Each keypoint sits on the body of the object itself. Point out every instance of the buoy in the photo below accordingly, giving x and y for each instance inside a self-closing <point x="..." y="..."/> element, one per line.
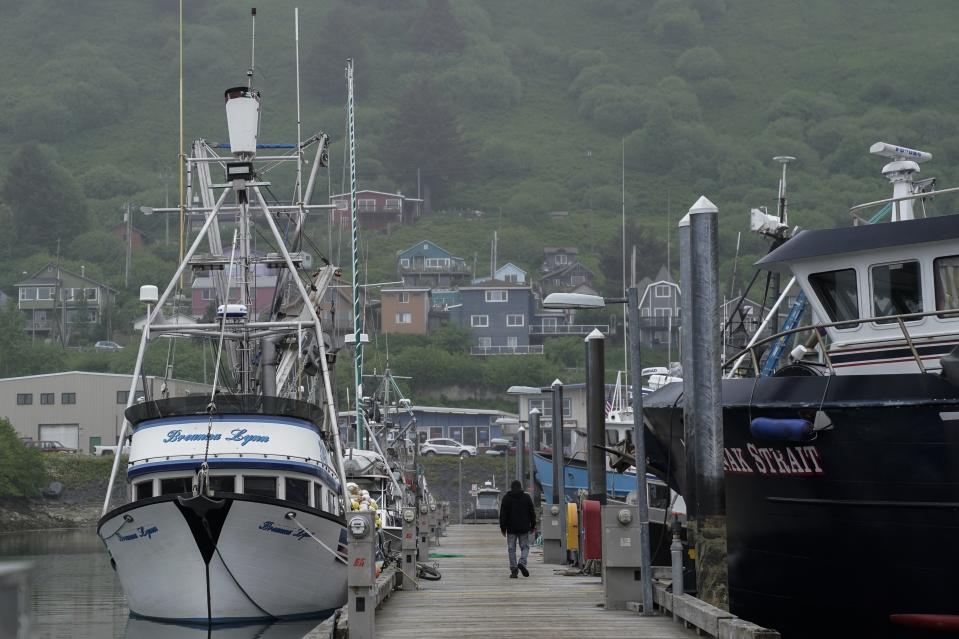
<point x="792" y="430"/>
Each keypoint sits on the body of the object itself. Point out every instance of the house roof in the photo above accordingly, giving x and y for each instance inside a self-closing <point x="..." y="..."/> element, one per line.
<point x="404" y="290"/>
<point x="92" y="374"/>
<point x="650" y="286"/>
<point x="565" y="268"/>
<point x="560" y="249"/>
<point x="508" y="265"/>
<point x="123" y="225"/>
<point x="35" y="279"/>
<point x="663" y="274"/>
<point x="431" y="243"/>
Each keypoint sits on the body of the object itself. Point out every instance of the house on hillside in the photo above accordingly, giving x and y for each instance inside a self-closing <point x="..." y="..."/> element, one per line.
<point x="498" y="315"/>
<point x="137" y="237"/>
<point x="572" y="278"/>
<point x="55" y="299"/>
<point x="259" y="300"/>
<point x="508" y="272"/>
<point x="405" y="310"/>
<point x="426" y="264"/>
<point x="659" y="309"/>
<point x="555" y="257"/>
<point x="376" y="209"/>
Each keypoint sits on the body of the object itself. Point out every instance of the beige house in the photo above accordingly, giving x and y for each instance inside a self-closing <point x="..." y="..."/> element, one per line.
<point x="79" y="409"/>
<point x="405" y="310"/>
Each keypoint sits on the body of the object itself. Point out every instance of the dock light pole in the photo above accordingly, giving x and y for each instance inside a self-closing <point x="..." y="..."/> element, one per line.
<point x="533" y="447"/>
<point x="582" y="301"/>
<point x="521" y="454"/>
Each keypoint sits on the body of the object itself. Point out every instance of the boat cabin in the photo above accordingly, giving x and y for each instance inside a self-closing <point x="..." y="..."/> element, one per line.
<point x="271" y="450"/>
<point x="884" y="290"/>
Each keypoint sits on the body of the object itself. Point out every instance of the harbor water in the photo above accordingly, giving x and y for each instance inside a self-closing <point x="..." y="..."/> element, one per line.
<point x="76" y="594"/>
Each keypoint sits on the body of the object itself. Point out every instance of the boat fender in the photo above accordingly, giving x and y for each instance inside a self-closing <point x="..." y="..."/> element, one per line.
<point x="792" y="430"/>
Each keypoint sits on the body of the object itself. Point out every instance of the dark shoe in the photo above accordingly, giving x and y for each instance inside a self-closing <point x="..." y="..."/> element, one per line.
<point x="523" y="570"/>
<point x="512" y="573"/>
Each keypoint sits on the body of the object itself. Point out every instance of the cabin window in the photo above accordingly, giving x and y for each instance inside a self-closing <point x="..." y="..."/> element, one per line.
<point x="946" y="271"/>
<point x="143" y="490"/>
<point x="262" y="486"/>
<point x="298" y="491"/>
<point x="658" y="496"/>
<point x="839" y="294"/>
<point x="176" y="485"/>
<point x="223" y="483"/>
<point x="896" y="289"/>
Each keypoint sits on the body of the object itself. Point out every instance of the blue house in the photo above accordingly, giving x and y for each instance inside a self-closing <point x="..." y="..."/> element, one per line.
<point x="498" y="314"/>
<point x="428" y="265"/>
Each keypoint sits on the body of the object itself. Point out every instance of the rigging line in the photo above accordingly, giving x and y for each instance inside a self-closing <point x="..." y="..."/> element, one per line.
<point x="238" y="585"/>
<point x="219" y="350"/>
<point x="314" y="538"/>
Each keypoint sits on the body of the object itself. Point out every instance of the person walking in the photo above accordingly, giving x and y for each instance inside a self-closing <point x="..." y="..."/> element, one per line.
<point x="517" y="521"/>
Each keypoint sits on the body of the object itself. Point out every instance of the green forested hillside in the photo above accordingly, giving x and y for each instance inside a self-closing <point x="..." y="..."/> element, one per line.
<point x="513" y="108"/>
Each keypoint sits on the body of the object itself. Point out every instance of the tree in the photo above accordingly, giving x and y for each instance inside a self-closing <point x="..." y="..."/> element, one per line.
<point x="426" y="136"/>
<point x="438" y="30"/>
<point x="343" y="37"/>
<point x="650" y="255"/>
<point x="21" y="468"/>
<point x="47" y="203"/>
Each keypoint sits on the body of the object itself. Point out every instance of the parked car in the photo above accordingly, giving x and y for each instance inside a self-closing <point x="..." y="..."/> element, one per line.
<point x="446" y="447"/>
<point x="499" y="446"/>
<point x="106" y="345"/>
<point x="49" y="446"/>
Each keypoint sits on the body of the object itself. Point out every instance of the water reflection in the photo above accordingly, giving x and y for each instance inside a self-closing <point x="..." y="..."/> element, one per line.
<point x="76" y="594"/>
<point x="143" y="629"/>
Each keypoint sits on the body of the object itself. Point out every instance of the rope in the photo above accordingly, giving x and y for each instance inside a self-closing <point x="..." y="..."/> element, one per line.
<point x="219" y="350"/>
<point x="292" y="517"/>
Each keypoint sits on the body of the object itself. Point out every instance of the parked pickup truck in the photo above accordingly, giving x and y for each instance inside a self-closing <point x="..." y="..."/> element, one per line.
<point x="109" y="451"/>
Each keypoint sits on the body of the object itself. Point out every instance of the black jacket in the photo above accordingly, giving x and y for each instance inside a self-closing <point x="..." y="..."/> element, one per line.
<point x="516" y="514"/>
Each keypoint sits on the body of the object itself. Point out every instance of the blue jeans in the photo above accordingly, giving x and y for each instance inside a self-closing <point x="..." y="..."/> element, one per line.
<point x="523" y="540"/>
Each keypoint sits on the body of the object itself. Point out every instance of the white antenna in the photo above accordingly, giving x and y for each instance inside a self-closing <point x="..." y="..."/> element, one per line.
<point x="299" y="135"/>
<point x="623" y="205"/>
<point x="784" y="160"/>
<point x="249" y="73"/>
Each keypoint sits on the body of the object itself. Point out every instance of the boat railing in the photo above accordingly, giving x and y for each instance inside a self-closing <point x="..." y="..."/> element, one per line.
<point x="755" y="350"/>
<point x="895" y="201"/>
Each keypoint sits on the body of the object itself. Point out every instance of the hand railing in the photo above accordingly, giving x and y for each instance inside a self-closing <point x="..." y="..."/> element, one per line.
<point x="818" y="331"/>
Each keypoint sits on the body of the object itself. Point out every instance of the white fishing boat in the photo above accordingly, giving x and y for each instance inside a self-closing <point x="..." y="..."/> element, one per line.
<point x="235" y="510"/>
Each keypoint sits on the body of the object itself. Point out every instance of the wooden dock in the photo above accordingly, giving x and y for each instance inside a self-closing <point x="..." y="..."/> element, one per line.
<point x="476" y="598"/>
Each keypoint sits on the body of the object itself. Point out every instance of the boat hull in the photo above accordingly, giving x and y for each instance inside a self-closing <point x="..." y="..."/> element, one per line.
<point x="618" y="485"/>
<point x="247" y="562"/>
<point x="832" y="536"/>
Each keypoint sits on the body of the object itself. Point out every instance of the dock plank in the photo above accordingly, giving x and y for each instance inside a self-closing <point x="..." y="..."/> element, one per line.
<point x="476" y="598"/>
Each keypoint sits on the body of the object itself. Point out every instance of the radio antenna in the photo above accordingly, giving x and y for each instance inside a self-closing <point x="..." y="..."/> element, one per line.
<point x="249" y="73"/>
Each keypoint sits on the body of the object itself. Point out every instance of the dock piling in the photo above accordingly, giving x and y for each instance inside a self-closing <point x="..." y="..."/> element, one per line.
<point x="596" y="416"/>
<point x="711" y="569"/>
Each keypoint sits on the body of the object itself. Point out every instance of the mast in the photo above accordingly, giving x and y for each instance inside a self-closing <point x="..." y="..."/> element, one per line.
<point x="354" y="245"/>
